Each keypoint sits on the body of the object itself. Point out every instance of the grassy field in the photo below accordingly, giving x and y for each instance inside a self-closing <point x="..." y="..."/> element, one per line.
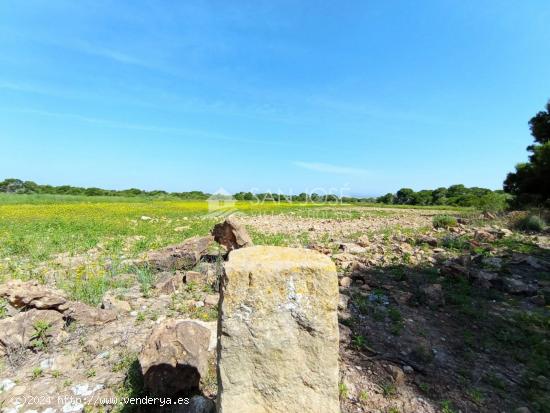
<point x="37" y="226"/>
<point x="40" y="233"/>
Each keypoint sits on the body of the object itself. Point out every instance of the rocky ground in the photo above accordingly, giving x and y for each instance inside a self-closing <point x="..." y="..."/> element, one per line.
<point x="431" y="320"/>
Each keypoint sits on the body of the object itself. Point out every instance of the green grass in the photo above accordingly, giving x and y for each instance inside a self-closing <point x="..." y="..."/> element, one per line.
<point x="531" y="223"/>
<point x="103" y="232"/>
<point x="343" y="390"/>
<point x="444" y="221"/>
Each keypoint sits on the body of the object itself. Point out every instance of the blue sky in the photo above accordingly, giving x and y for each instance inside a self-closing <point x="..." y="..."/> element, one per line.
<point x="363" y="97"/>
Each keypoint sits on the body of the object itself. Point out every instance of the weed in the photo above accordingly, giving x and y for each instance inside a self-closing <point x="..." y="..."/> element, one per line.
<point x="476" y="395"/>
<point x="454" y="242"/>
<point x="389" y="389"/>
<point x="36" y="373"/>
<point x="133" y="385"/>
<point x="447" y="407"/>
<point x="359" y="341"/>
<point x="39" y="338"/>
<point x="56" y="374"/>
<point x="146" y="279"/>
<point x="3" y="308"/>
<point x="363" y="396"/>
<point x="124" y="362"/>
<point x="424" y="387"/>
<point x="444" y="221"/>
<point x="90" y="373"/>
<point x="396" y="319"/>
<point x="495" y="381"/>
<point x="343" y="390"/>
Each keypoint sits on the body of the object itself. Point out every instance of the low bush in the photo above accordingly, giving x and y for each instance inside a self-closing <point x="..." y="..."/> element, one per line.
<point x="444" y="221"/>
<point x="531" y="223"/>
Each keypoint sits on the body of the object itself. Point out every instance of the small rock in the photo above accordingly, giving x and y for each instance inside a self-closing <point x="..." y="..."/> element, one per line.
<point x="110" y="302"/>
<point x="408" y="369"/>
<point x="345" y="333"/>
<point x="169" y="283"/>
<point x="85" y="389"/>
<point x="46" y="364"/>
<point x="89" y="316"/>
<point x="231" y="234"/>
<point x="351" y="248"/>
<point x="484" y="236"/>
<point x="196" y="277"/>
<point x="397" y="374"/>
<point x="6" y="385"/>
<point x="211" y="300"/>
<point x="182" y="256"/>
<point x="345" y="282"/>
<point x="516" y="286"/>
<point x="522" y="410"/>
<point x="426" y="239"/>
<point x="343" y="301"/>
<point x="200" y="404"/>
<point x="363" y="240"/>
<point x="432" y="295"/>
<point x="538" y="300"/>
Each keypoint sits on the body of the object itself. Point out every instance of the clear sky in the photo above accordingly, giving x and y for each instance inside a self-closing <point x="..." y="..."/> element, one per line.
<point x="365" y="96"/>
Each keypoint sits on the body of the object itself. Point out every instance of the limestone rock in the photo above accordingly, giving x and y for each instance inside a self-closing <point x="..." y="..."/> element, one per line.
<point x="345" y="282"/>
<point x="30" y="294"/>
<point x="20" y="332"/>
<point x="175" y="357"/>
<point x="484" y="236"/>
<point x="110" y="302"/>
<point x="211" y="300"/>
<point x="89" y="316"/>
<point x="517" y="286"/>
<point x="231" y="234"/>
<point x="278" y="344"/>
<point x="432" y="295"/>
<point x="196" y="277"/>
<point x="427" y="239"/>
<point x="169" y="283"/>
<point x="351" y="248"/>
<point x="182" y="256"/>
<point x="363" y="240"/>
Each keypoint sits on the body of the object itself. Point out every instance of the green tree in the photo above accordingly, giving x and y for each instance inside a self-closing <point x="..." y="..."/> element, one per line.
<point x="386" y="199"/>
<point x="404" y="196"/>
<point x="530" y="183"/>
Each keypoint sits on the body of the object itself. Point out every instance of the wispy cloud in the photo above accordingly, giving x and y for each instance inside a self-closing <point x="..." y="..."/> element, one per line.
<point x="331" y="169"/>
<point x="187" y="133"/>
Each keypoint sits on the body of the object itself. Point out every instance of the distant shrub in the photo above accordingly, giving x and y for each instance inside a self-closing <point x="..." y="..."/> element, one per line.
<point x="455" y="242"/>
<point x="444" y="221"/>
<point x="531" y="223"/>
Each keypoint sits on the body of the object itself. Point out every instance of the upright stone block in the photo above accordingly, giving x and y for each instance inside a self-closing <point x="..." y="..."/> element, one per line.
<point x="278" y="333"/>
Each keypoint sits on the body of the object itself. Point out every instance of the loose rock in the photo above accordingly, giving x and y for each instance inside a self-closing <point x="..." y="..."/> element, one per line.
<point x="175" y="357"/>
<point x="183" y="256"/>
<point x="231" y="234"/>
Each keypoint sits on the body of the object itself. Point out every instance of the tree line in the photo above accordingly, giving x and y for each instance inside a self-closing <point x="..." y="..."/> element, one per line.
<point x="18" y="186"/>
<point x="455" y="195"/>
